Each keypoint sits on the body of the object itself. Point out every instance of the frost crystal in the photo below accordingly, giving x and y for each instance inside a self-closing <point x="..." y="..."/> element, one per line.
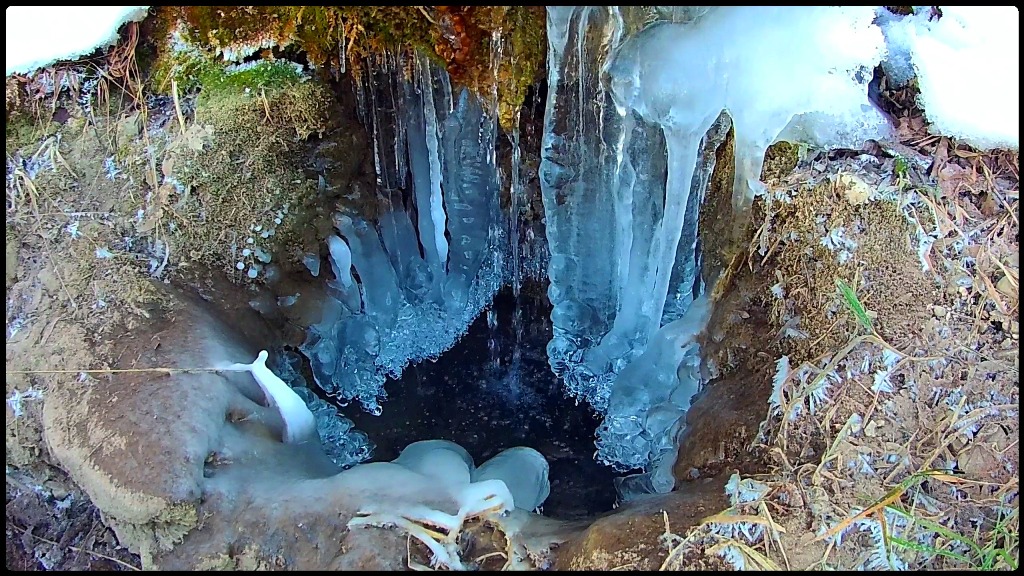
<point x="782" y="371"/>
<point x="16" y="397"/>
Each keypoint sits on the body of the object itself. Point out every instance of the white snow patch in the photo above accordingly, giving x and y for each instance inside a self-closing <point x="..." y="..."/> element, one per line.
<point x="967" y="65"/>
<point x="41" y="35"/>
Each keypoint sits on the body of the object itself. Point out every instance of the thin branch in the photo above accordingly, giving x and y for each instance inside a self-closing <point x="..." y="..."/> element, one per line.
<point x="77" y="549"/>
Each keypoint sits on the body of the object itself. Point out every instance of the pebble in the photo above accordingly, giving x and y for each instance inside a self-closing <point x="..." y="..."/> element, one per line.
<point x="939" y="311"/>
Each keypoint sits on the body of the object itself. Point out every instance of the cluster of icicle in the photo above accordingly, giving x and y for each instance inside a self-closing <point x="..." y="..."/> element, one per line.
<point x="409" y="281"/>
<point x="638" y="101"/>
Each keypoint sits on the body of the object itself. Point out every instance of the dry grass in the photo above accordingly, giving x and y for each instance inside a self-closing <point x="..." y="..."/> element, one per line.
<point x="892" y="432"/>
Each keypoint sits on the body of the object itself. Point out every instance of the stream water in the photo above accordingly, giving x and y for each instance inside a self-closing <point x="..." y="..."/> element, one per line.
<point x="493" y="390"/>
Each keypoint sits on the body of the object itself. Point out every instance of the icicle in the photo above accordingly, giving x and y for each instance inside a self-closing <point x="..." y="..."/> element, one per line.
<point x="342" y="49"/>
<point x="418" y="293"/>
<point x="380" y="283"/>
<point x="384" y="79"/>
<point x="436" y="198"/>
<point x="685" y="271"/>
<point x="493" y="338"/>
<point x="516" y="194"/>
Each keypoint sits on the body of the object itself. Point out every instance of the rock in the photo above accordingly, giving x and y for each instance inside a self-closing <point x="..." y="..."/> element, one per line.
<point x="140" y="446"/>
<point x="11" y="264"/>
<point x="939" y="311"/>
<point x="57" y="489"/>
<point x="855" y="189"/>
<point x="630" y="537"/>
<point x="129" y="129"/>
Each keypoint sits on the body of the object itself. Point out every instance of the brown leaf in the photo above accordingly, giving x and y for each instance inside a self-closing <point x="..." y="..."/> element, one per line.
<point x="989" y="206"/>
<point x="155" y="211"/>
<point x="167" y="167"/>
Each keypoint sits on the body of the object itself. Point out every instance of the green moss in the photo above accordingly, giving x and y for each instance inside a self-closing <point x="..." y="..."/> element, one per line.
<point x="185" y="67"/>
<point x="779" y="160"/>
<point x="21" y="130"/>
<point x="239" y="163"/>
<point x="527" y="37"/>
<point x="260" y="76"/>
<point x="458" y="38"/>
<point x="236" y="32"/>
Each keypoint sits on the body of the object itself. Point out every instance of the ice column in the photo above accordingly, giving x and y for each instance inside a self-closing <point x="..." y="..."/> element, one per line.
<point x="617" y="196"/>
<point x="634" y="115"/>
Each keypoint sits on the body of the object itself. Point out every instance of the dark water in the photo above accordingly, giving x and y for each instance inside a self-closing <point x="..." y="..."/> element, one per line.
<point x="482" y="396"/>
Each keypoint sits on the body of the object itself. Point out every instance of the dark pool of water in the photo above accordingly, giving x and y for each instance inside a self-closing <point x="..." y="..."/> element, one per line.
<point x="479" y="395"/>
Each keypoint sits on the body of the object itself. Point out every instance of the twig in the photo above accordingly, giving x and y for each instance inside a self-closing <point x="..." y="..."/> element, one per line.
<point x="119" y="370"/>
<point x="266" y="104"/>
<point x="56" y="272"/>
<point x="77" y="549"/>
<point x="177" y="104"/>
<point x="490" y="555"/>
<point x="426" y="15"/>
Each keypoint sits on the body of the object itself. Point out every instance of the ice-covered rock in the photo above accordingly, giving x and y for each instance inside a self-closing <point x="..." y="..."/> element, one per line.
<point x="652" y="394"/>
<point x="515" y="478"/>
<point x="443" y="460"/>
<point x="524" y="472"/>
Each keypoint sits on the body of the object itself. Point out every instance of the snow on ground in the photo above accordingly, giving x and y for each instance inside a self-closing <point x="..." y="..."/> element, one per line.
<point x="967" y="65"/>
<point x="40" y="35"/>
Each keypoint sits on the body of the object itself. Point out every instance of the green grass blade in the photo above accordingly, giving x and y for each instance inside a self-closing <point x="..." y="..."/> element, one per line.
<point x="853" y="303"/>
<point x="917" y="547"/>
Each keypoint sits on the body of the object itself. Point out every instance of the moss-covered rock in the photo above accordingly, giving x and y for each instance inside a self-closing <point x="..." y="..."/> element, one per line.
<point x="779" y="160"/>
<point x="496" y="51"/>
<point x="240" y="187"/>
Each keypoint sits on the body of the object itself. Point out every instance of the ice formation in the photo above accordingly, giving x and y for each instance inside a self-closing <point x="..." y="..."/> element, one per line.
<point x="524" y="472"/>
<point x="647" y="405"/>
<point x="40" y="35"/>
<point x="299" y="423"/>
<point x="417" y="292"/>
<point x="514" y="478"/>
<point x="442" y="460"/>
<point x="345" y="445"/>
<point x="634" y="114"/>
<point x="967" y="65"/>
<point x="439" y="531"/>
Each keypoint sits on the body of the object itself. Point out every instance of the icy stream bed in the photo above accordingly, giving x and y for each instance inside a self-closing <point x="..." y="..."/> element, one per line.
<point x="637" y="102"/>
<point x="479" y="395"/>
